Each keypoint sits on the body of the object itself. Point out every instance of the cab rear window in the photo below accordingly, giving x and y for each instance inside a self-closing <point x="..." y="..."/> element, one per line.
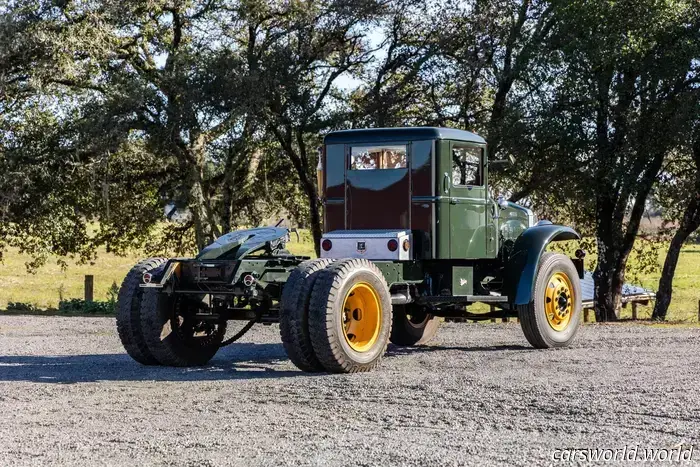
<point x="378" y="157"/>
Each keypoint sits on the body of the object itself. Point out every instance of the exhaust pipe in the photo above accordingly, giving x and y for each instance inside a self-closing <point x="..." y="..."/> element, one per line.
<point x="401" y="298"/>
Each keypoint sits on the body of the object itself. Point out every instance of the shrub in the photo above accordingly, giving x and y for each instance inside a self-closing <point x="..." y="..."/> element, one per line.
<point x="77" y="305"/>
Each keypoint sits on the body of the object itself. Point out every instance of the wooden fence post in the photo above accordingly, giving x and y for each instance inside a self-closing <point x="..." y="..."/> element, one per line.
<point x="89" y="288"/>
<point x="634" y="311"/>
<point x="585" y="314"/>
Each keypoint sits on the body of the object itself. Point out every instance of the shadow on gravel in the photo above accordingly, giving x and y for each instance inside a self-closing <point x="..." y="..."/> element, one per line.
<point x="398" y="351"/>
<point x="239" y="361"/>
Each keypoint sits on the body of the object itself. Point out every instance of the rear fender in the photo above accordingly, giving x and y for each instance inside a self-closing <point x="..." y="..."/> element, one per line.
<point x="521" y="268"/>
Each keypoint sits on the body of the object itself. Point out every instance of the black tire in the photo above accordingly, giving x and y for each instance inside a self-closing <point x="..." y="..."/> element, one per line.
<point x="533" y="317"/>
<point x="294" y="314"/>
<point x="412" y="326"/>
<point x="169" y="331"/>
<point x="129" y="312"/>
<point x="326" y="316"/>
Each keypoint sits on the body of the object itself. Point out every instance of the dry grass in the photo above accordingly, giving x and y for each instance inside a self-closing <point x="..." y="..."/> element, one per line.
<point x="686" y="287"/>
<point x="50" y="283"/>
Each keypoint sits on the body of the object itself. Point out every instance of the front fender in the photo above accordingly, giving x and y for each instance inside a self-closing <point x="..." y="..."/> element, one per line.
<point x="521" y="268"/>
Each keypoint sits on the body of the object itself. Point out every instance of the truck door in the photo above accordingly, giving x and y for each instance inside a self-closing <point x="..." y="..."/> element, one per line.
<point x="468" y="201"/>
<point x="377" y="187"/>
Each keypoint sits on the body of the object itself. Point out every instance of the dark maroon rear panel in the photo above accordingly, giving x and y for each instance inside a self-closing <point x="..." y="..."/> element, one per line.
<point x="335" y="171"/>
<point x="422" y="196"/>
<point x="422" y="174"/>
<point x="378" y="199"/>
<point x="335" y="217"/>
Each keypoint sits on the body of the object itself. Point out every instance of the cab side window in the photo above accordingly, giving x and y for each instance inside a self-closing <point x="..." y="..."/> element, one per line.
<point x="466" y="166"/>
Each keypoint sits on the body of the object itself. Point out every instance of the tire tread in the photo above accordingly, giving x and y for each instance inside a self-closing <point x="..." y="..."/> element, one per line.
<point x="169" y="351"/>
<point x="129" y="309"/>
<point x="324" y="337"/>
<point x="528" y="314"/>
<point x="294" y="315"/>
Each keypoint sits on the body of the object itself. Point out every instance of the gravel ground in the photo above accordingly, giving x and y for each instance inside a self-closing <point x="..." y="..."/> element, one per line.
<point x="477" y="396"/>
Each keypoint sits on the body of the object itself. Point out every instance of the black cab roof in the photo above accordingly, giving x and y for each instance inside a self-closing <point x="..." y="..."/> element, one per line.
<point x="371" y="135"/>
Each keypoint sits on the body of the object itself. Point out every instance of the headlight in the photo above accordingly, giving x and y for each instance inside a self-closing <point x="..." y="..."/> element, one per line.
<point x="531" y="217"/>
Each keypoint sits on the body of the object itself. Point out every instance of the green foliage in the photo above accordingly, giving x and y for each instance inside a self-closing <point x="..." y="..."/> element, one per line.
<point x="112" y="111"/>
<point x="19" y="307"/>
<point x="80" y="306"/>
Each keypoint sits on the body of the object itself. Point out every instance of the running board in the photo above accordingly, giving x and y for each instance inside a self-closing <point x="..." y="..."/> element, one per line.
<point x="464" y="299"/>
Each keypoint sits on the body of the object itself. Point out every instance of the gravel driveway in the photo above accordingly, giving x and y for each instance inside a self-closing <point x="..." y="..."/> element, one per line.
<point x="477" y="396"/>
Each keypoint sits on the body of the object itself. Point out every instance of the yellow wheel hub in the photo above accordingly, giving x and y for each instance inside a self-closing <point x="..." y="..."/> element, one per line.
<point x="559" y="301"/>
<point x="361" y="317"/>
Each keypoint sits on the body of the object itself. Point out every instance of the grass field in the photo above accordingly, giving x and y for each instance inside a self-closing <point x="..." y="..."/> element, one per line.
<point x="50" y="284"/>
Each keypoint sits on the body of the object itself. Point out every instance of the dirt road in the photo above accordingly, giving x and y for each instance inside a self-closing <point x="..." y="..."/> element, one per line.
<point x="478" y="396"/>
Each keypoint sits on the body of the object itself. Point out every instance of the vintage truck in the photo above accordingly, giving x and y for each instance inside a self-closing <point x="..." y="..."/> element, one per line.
<point x="411" y="235"/>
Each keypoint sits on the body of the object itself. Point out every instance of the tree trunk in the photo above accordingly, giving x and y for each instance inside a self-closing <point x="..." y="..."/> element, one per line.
<point x="608" y="287"/>
<point x="237" y="191"/>
<point x="689" y="224"/>
<point x="205" y="226"/>
<point x="606" y="297"/>
<point x="300" y="162"/>
<point x="614" y="247"/>
<point x="314" y="210"/>
<point x="663" y="295"/>
<point x="227" y="206"/>
<point x="204" y="230"/>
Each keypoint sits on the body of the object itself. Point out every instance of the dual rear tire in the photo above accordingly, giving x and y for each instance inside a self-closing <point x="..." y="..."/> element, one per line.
<point x="156" y="329"/>
<point x="337" y="317"/>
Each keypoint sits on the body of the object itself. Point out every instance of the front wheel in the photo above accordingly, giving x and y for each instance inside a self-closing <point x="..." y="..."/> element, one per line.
<point x="553" y="316"/>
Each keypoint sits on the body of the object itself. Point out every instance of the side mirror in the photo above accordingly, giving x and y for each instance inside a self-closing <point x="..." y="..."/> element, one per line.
<point x="503" y="162"/>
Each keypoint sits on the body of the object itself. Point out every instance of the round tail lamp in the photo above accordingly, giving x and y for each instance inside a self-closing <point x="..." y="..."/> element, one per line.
<point x="248" y="280"/>
<point x="392" y="245"/>
<point x="326" y="245"/>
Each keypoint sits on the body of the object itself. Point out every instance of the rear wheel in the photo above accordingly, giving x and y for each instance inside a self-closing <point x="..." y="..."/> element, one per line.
<point x="294" y="314"/>
<point x="174" y="335"/>
<point x="412" y="325"/>
<point x="553" y="317"/>
<point x="129" y="312"/>
<point x="350" y="316"/>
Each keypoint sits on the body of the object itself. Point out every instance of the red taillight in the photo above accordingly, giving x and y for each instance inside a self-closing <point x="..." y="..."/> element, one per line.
<point x="147" y="277"/>
<point x="248" y="280"/>
<point x="392" y="245"/>
<point x="326" y="245"/>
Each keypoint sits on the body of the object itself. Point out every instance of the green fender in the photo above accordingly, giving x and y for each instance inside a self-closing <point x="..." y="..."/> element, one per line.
<point x="521" y="268"/>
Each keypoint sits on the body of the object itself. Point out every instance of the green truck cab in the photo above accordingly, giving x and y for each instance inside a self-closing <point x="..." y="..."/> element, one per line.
<point x="434" y="183"/>
<point x="412" y="234"/>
